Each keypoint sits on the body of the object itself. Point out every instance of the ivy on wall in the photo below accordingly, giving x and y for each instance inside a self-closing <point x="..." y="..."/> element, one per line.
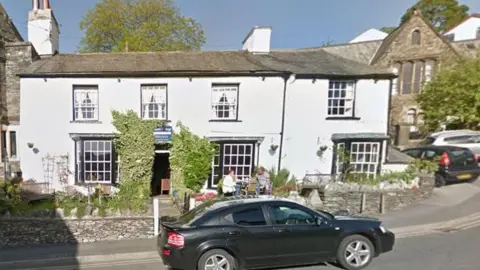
<point x="135" y="144"/>
<point x="190" y="158"/>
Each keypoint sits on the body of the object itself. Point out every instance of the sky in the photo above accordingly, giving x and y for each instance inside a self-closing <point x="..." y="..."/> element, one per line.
<point x="295" y="23"/>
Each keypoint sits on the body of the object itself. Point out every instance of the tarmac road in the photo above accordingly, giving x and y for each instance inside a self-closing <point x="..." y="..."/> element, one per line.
<point x="455" y="250"/>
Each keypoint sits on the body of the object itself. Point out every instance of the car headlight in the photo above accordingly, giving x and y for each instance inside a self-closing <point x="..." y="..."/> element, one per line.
<point x="382" y="229"/>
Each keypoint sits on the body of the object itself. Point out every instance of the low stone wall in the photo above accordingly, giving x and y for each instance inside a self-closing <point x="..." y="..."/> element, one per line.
<point x="369" y="201"/>
<point x="31" y="231"/>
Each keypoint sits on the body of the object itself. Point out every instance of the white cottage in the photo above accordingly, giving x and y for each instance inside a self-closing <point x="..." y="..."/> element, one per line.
<point x="274" y="108"/>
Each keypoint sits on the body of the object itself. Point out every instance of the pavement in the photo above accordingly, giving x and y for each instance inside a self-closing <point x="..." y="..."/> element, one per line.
<point x="451" y="211"/>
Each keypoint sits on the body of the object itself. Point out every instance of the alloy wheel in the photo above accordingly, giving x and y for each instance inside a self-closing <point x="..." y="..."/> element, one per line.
<point x="217" y="262"/>
<point x="357" y="253"/>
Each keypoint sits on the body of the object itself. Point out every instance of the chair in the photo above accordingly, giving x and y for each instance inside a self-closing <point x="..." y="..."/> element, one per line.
<point x="165" y="186"/>
<point x="251" y="189"/>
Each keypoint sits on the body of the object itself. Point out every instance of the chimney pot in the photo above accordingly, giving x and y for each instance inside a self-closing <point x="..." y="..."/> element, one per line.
<point x="35" y="4"/>
<point x="46" y="4"/>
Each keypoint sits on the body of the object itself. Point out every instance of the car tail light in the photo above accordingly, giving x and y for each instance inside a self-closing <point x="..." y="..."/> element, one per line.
<point x="175" y="239"/>
<point x="476" y="157"/>
<point x="166" y="252"/>
<point x="444" y="159"/>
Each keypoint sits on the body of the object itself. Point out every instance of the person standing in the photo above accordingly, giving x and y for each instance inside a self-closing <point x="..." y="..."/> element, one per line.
<point x="228" y="184"/>
<point x="263" y="179"/>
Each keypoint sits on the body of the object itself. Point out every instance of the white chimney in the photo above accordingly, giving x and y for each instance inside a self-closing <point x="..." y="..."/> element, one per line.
<point x="258" y="40"/>
<point x="43" y="29"/>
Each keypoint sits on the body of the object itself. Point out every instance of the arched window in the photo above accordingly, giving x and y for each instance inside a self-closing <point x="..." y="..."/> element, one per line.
<point x="407" y="73"/>
<point x="410" y="117"/>
<point x="416" y="37"/>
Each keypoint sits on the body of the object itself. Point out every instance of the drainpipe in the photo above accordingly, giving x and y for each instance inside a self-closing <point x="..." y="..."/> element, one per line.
<point x="390" y="88"/>
<point x="286" y="77"/>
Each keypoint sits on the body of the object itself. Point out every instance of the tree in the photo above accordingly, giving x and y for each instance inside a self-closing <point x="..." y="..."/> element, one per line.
<point x="139" y="25"/>
<point x="453" y="96"/>
<point x="442" y="14"/>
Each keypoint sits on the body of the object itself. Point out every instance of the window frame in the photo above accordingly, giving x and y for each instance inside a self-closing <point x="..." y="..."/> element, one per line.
<point x="213" y="105"/>
<point x="12" y="145"/>
<point x="416" y="40"/>
<point x="348" y="145"/>
<point x="345" y="99"/>
<point x="80" y="162"/>
<point x="96" y="107"/>
<point x="142" y="104"/>
<point x="222" y="167"/>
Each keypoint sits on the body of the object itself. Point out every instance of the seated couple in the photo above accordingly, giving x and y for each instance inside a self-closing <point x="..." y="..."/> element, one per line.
<point x="230" y="185"/>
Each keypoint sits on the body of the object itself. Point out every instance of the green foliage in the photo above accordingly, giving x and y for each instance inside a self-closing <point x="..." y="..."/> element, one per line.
<point x="139" y="25"/>
<point x="282" y="178"/>
<point x="135" y="145"/>
<point x="442" y="14"/>
<point x="453" y="96"/>
<point x="388" y="29"/>
<point x="191" y="158"/>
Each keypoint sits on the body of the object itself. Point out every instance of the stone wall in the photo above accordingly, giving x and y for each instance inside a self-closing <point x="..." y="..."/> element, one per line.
<point x="369" y="201"/>
<point x="34" y="231"/>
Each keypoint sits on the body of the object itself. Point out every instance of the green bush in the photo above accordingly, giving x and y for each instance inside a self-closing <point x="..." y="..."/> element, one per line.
<point x="191" y="157"/>
<point x="282" y="178"/>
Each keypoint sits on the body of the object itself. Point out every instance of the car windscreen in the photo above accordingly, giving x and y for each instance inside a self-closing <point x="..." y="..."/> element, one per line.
<point x="427" y="141"/>
<point x="461" y="156"/>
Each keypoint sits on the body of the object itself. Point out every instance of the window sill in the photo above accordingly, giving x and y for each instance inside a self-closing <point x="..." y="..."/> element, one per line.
<point x="343" y="118"/>
<point x="166" y="121"/>
<point x="85" y="122"/>
<point x="225" y="120"/>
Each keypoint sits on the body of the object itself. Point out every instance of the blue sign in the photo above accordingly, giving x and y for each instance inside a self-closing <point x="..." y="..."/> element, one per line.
<point x="163" y="134"/>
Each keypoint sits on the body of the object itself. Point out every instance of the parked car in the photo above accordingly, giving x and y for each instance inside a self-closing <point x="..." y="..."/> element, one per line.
<point x="452" y="137"/>
<point x="251" y="232"/>
<point x="455" y="163"/>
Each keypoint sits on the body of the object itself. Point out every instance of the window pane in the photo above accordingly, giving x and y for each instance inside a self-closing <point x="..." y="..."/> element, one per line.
<point x="154" y="101"/>
<point x="407" y="72"/>
<point x="416" y="37"/>
<point x="13" y="144"/>
<point x="288" y="215"/>
<point x="340" y="98"/>
<point x="97" y="161"/>
<point x="418" y="77"/>
<point x="85" y="103"/>
<point x="224" y="102"/>
<point x="249" y="217"/>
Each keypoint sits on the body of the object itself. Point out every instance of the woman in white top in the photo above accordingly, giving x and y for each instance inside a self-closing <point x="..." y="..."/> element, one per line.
<point x="228" y="184"/>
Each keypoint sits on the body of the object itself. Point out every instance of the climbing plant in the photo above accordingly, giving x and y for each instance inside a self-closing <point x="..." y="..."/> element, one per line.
<point x="135" y="144"/>
<point x="191" y="158"/>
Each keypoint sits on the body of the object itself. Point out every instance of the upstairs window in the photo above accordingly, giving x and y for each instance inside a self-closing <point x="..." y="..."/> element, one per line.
<point x="451" y="37"/>
<point x="154" y="102"/>
<point x="416" y="37"/>
<point x="407" y="72"/>
<point x="224" y="102"/>
<point x="85" y="103"/>
<point x="341" y="95"/>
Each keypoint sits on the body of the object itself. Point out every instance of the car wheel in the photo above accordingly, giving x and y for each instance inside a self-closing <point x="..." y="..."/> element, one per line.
<point x="355" y="252"/>
<point x="440" y="181"/>
<point x="217" y="259"/>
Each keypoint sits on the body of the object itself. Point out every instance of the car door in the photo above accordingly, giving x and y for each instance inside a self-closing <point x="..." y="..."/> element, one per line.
<point x="300" y="239"/>
<point x="250" y="235"/>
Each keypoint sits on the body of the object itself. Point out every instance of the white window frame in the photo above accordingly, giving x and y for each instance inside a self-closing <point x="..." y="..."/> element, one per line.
<point x="83" y="173"/>
<point x="372" y="163"/>
<point x="85" y="103"/>
<point x="154" y="102"/>
<point x="221" y="109"/>
<point x="341" y="98"/>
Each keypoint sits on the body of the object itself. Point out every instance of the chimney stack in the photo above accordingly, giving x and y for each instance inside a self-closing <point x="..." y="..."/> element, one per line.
<point x="258" y="40"/>
<point x="35" y="5"/>
<point x="46" y="4"/>
<point x="43" y="29"/>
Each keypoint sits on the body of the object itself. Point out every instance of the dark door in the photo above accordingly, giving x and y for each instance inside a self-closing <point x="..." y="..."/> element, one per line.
<point x="250" y="236"/>
<point x="300" y="239"/>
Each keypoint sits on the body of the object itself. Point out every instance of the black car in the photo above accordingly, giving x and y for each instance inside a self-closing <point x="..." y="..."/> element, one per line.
<point x="456" y="164"/>
<point x="267" y="232"/>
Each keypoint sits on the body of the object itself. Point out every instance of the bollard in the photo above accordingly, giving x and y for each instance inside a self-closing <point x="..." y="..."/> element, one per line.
<point x="382" y="203"/>
<point x="364" y="201"/>
<point x="156" y="213"/>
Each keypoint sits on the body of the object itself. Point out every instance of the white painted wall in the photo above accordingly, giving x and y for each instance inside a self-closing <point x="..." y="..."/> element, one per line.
<point x="46" y="116"/>
<point x="306" y="128"/>
<point x="466" y="30"/>
<point x="370" y="35"/>
<point x="394" y="167"/>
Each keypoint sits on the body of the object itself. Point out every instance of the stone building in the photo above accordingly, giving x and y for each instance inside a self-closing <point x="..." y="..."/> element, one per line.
<point x="15" y="55"/>
<point x="414" y="51"/>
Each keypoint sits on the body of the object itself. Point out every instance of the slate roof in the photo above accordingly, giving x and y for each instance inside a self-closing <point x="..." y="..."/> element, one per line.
<point x="361" y="52"/>
<point x="307" y="62"/>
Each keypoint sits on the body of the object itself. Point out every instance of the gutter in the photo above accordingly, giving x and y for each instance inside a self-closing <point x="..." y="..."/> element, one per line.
<point x="286" y="77"/>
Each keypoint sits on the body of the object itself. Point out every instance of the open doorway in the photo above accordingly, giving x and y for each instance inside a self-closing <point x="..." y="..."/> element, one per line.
<point x="161" y="174"/>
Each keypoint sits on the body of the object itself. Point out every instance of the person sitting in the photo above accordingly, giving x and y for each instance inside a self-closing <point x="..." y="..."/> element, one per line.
<point x="228" y="184"/>
<point x="263" y="179"/>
